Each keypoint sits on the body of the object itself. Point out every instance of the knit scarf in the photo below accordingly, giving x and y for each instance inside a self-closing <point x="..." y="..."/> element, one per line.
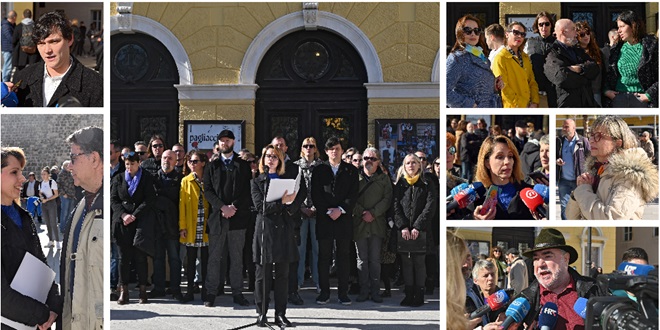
<point x="133" y="182"/>
<point x="476" y="51"/>
<point x="411" y="180"/>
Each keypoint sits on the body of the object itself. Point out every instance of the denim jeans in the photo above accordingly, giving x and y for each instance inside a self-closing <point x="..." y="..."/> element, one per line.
<point x="467" y="170"/>
<point x="6" y="66"/>
<point x="308" y="227"/>
<point x="565" y="188"/>
<point x="171" y="246"/>
<point x="67" y="207"/>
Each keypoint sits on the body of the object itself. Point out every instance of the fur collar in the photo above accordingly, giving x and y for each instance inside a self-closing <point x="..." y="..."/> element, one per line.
<point x="631" y="165"/>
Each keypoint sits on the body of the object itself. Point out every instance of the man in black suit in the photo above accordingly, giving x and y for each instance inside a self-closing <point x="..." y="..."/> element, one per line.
<point x="334" y="192"/>
<point x="227" y="189"/>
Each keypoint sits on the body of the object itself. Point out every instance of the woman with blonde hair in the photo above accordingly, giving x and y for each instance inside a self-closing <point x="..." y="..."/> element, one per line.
<point x="619" y="180"/>
<point x="456" y="254"/>
<point x="499" y="164"/>
<point x="414" y="202"/>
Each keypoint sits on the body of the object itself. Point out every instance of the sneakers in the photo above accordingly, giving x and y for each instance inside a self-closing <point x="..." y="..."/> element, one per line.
<point x="294" y="298"/>
<point x="344" y="299"/>
<point x="50" y="244"/>
<point x="323" y="298"/>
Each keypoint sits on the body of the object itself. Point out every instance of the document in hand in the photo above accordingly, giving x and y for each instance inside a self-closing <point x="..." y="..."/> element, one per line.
<point x="277" y="188"/>
<point x="33" y="279"/>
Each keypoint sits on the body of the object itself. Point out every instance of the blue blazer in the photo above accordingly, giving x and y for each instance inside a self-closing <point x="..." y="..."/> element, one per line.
<point x="470" y="81"/>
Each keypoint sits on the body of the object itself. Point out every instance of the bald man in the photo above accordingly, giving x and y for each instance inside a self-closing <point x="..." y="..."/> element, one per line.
<point x="572" y="151"/>
<point x="647" y="145"/>
<point x="570" y="69"/>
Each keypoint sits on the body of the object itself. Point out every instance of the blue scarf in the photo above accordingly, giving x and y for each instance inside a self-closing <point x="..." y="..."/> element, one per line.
<point x="273" y="176"/>
<point x="12" y="213"/>
<point x="476" y="51"/>
<point x="132" y="182"/>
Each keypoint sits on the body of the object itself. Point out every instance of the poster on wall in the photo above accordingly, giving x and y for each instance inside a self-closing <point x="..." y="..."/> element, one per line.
<point x="202" y="134"/>
<point x="396" y="138"/>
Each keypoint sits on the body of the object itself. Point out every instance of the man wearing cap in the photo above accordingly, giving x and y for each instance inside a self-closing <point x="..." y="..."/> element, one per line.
<point x="517" y="271"/>
<point x="555" y="281"/>
<point x="520" y="138"/>
<point x="227" y="189"/>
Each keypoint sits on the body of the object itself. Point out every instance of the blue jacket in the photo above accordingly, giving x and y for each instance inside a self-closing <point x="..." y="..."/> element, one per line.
<point x="470" y="81"/>
<point x="7" y="33"/>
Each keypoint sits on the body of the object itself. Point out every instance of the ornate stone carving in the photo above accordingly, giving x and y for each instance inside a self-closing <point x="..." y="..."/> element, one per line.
<point x="124" y="16"/>
<point x="310" y="15"/>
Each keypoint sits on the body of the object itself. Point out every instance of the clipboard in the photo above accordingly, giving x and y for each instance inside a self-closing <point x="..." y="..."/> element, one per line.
<point x="277" y="187"/>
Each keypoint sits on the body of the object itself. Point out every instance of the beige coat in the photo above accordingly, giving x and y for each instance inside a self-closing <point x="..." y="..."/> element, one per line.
<point x="85" y="312"/>
<point x="627" y="184"/>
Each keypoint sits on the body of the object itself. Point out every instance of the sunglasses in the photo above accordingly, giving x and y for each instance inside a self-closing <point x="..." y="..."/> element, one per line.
<point x="451" y="150"/>
<point x="370" y="159"/>
<point x="436" y="163"/>
<point x="583" y="34"/>
<point x="468" y="31"/>
<point x="140" y="153"/>
<point x="129" y="154"/>
<point x="158" y="146"/>
<point x="518" y="33"/>
<point x="253" y="161"/>
<point x="74" y="156"/>
<point x="598" y="136"/>
<point x="309" y="146"/>
<point x="356" y="160"/>
<point x="194" y="161"/>
<point x="422" y="158"/>
<point x="544" y="24"/>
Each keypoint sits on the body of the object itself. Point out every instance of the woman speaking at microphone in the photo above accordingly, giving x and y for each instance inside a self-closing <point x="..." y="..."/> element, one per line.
<point x="499" y="165"/>
<point x="619" y="180"/>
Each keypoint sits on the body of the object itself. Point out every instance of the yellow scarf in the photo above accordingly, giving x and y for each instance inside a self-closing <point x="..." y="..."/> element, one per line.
<point x="413" y="180"/>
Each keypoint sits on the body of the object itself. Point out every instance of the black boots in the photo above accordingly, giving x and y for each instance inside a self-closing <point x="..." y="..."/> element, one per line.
<point x="123" y="295"/>
<point x="408" y="300"/>
<point x="414" y="296"/>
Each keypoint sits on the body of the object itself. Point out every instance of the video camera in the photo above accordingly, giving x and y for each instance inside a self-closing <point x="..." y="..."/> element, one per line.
<point x="622" y="313"/>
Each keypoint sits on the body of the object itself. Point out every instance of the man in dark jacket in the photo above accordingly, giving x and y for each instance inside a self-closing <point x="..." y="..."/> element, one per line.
<point x="334" y="192"/>
<point x="8" y="25"/>
<point x="227" y="189"/>
<point x="21" y="59"/>
<point x="538" y="48"/>
<point x="570" y="69"/>
<point x="168" y="185"/>
<point x="470" y="144"/>
<point x="572" y="152"/>
<point x="556" y="281"/>
<point x="65" y="81"/>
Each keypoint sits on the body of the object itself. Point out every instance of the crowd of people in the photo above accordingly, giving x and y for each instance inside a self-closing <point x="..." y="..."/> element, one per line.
<point x="345" y="215"/>
<point x="76" y="301"/>
<point x="56" y="43"/>
<point x="610" y="174"/>
<point x="539" y="277"/>
<point x="505" y="164"/>
<point x="563" y="66"/>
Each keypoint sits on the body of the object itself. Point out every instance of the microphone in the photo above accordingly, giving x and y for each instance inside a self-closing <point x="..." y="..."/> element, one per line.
<point x="630" y="268"/>
<point x="548" y="316"/>
<point x="467" y="196"/>
<point x="456" y="190"/>
<point x="580" y="307"/>
<point x="9" y="98"/>
<point x="533" y="201"/>
<point x="494" y="302"/>
<point x="516" y="312"/>
<point x="544" y="191"/>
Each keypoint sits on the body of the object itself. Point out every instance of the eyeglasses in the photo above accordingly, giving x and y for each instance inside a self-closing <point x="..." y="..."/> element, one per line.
<point x="309" y="146"/>
<point x="497" y="251"/>
<point x="583" y="34"/>
<point x="74" y="156"/>
<point x="194" y="161"/>
<point x="468" y="31"/>
<point x="128" y="154"/>
<point x="158" y="146"/>
<point x="370" y="159"/>
<point x="451" y="150"/>
<point x="349" y="156"/>
<point x="598" y="136"/>
<point x="270" y="156"/>
<point x="544" y="23"/>
<point x="140" y="153"/>
<point x="518" y="33"/>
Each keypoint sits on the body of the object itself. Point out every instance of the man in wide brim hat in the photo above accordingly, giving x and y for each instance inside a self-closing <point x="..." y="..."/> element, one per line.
<point x="550" y="238"/>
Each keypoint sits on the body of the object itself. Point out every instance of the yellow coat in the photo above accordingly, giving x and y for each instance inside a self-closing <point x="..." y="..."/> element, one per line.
<point x="520" y="87"/>
<point x="188" y="202"/>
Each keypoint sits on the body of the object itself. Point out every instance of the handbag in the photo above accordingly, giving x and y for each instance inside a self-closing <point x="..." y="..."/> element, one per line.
<point x="412" y="246"/>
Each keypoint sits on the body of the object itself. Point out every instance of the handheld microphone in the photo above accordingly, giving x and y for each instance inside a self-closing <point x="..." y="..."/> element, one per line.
<point x="9" y="98"/>
<point x="533" y="201"/>
<point x="635" y="269"/>
<point x="516" y="312"/>
<point x="548" y="316"/>
<point x="494" y="302"/>
<point x="456" y="190"/>
<point x="544" y="191"/>
<point x="467" y="196"/>
<point x="580" y="307"/>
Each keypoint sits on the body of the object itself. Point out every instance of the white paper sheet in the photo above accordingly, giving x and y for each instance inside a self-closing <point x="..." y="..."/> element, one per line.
<point x="33" y="279"/>
<point x="278" y="186"/>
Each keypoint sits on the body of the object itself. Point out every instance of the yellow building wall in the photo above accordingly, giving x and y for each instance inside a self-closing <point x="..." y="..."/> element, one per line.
<point x="527" y="7"/>
<point x="19" y="7"/>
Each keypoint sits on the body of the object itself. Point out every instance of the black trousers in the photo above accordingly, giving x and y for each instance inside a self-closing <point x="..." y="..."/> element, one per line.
<point x="281" y="286"/>
<point x="126" y="252"/>
<point x="191" y="256"/>
<point x="342" y="262"/>
<point x="413" y="267"/>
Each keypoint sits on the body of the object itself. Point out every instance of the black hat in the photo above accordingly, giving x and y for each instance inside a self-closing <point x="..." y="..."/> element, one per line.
<point x="226" y="133"/>
<point x="521" y="124"/>
<point x="513" y="251"/>
<point x="550" y="238"/>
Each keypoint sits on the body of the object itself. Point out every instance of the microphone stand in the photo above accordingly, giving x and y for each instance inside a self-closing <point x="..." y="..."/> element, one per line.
<point x="264" y="294"/>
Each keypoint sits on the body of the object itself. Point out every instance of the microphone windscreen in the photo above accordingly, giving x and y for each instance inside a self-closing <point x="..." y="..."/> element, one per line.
<point x="457" y="189"/>
<point x="544" y="191"/>
<point x="531" y="198"/>
<point x="548" y="316"/>
<point x="518" y="309"/>
<point x="497" y="300"/>
<point x="580" y="307"/>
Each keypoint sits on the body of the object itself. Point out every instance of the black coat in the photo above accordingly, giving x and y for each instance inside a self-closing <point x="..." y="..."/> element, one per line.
<point x="275" y="224"/>
<point x="141" y="232"/>
<point x="647" y="71"/>
<point x="328" y="191"/>
<point x="517" y="209"/>
<point x="214" y="187"/>
<point x="530" y="157"/>
<point x="19" y="58"/>
<point x="414" y="206"/>
<point x="168" y="187"/>
<point x="15" y="243"/>
<point x="573" y="89"/>
<point x="37" y="184"/>
<point x="80" y="82"/>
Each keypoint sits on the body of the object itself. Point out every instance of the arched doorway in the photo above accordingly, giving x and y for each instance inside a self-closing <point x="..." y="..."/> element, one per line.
<point x="144" y="100"/>
<point x="311" y="83"/>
